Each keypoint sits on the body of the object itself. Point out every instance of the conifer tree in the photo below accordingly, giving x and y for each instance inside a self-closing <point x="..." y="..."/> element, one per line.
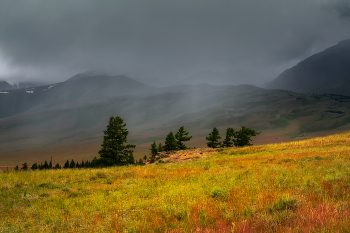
<point x="72" y="164"/>
<point x="34" y="166"/>
<point x="228" y="139"/>
<point x="114" y="150"/>
<point x="46" y="165"/>
<point x="16" y="168"/>
<point x="243" y="136"/>
<point x="24" y="166"/>
<point x="160" y="148"/>
<point x="170" y="142"/>
<point x="154" y="149"/>
<point x="213" y="139"/>
<point x="77" y="165"/>
<point x="57" y="166"/>
<point x="182" y="136"/>
<point x="145" y="157"/>
<point x="50" y="164"/>
<point x="82" y="164"/>
<point x="66" y="165"/>
<point x="41" y="166"/>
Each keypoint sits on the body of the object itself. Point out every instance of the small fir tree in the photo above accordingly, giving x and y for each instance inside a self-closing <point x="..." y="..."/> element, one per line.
<point x="82" y="164"/>
<point x="24" y="166"/>
<point x="46" y="165"/>
<point x="213" y="139"/>
<point x="57" y="166"/>
<point x="182" y="136"/>
<point x="228" y="139"/>
<point x="160" y="148"/>
<point x="154" y="149"/>
<point x="115" y="150"/>
<point x="50" y="164"/>
<point x="34" y="166"/>
<point x="170" y="142"/>
<point x="16" y="168"/>
<point x="66" y="165"/>
<point x="72" y="164"/>
<point x="145" y="157"/>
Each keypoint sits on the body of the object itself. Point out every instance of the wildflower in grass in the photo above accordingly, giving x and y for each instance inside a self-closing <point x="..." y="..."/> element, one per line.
<point x="218" y="192"/>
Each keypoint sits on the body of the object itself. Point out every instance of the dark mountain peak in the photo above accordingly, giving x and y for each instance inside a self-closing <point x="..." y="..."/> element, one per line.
<point x="5" y="86"/>
<point x="327" y="72"/>
<point x="84" y="75"/>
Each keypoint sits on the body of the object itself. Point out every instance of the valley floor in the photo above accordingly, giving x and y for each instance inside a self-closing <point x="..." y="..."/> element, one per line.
<point x="299" y="186"/>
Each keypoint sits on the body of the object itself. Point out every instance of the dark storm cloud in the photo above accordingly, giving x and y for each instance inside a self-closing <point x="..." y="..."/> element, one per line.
<point x="342" y="7"/>
<point x="164" y="39"/>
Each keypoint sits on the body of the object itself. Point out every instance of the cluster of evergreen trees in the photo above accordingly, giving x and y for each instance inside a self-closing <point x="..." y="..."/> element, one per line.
<point x="116" y="151"/>
<point x="233" y="138"/>
<point x="48" y="165"/>
<point x="172" y="142"/>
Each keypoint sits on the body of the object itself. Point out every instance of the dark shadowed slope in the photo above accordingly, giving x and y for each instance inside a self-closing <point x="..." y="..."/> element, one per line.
<point x="81" y="90"/>
<point x="327" y="72"/>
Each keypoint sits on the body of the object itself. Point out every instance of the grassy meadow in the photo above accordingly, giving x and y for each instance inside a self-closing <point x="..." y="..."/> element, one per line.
<point x="300" y="186"/>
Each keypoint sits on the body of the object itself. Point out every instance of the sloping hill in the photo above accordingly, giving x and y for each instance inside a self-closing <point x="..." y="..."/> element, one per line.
<point x="289" y="187"/>
<point x="327" y="72"/>
<point x="66" y="129"/>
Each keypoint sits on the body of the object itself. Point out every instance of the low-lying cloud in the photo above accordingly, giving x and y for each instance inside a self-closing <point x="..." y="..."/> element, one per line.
<point x="165" y="40"/>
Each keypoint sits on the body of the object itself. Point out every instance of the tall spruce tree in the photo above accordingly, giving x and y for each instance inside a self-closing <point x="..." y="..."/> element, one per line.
<point x="170" y="142"/>
<point x="114" y="150"/>
<point x="182" y="136"/>
<point x="213" y="138"/>
<point x="228" y="139"/>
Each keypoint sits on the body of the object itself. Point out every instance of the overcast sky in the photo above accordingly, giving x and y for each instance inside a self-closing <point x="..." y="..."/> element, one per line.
<point x="52" y="40"/>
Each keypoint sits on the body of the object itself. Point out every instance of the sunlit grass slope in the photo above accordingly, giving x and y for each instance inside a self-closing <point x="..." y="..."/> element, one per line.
<point x="301" y="186"/>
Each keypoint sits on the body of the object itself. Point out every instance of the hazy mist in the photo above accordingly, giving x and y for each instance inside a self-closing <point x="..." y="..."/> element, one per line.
<point x="164" y="41"/>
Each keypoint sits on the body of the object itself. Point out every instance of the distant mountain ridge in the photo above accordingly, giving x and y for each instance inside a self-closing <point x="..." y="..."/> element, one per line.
<point x="7" y="86"/>
<point x="327" y="72"/>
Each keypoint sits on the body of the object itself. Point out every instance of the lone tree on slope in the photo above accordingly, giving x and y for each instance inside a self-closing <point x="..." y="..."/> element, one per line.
<point x="213" y="139"/>
<point x="170" y="142"/>
<point x="182" y="136"/>
<point x="114" y="150"/>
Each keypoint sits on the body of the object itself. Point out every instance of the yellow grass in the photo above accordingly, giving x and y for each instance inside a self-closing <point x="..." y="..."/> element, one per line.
<point x="301" y="186"/>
